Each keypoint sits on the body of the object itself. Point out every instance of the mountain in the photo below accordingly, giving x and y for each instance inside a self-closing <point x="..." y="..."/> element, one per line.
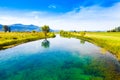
<point x="24" y="28"/>
<point x="21" y="27"/>
<point x="0" y="27"/>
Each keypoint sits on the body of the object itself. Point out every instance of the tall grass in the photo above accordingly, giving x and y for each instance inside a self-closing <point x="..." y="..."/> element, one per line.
<point x="15" y="38"/>
<point x="107" y="40"/>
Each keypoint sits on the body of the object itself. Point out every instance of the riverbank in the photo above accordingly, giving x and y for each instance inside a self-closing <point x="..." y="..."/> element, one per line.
<point x="108" y="40"/>
<point x="12" y="39"/>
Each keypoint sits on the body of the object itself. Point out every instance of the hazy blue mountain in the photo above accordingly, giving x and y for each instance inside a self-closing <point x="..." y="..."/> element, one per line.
<point x="22" y="28"/>
<point x="0" y="27"/>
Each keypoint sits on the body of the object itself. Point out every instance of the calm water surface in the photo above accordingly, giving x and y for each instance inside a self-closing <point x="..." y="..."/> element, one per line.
<point x="58" y="59"/>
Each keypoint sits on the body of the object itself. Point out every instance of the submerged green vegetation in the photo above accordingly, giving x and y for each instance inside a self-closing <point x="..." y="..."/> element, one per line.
<point x="59" y="64"/>
<point x="14" y="38"/>
<point x="108" y="40"/>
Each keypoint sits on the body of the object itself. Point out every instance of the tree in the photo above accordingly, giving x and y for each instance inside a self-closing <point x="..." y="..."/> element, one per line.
<point x="117" y="29"/>
<point x="61" y="31"/>
<point x="6" y="28"/>
<point x="45" y="29"/>
<point x="33" y="31"/>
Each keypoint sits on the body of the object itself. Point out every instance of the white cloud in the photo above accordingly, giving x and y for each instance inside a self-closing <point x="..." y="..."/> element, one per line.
<point x="87" y="18"/>
<point x="52" y="6"/>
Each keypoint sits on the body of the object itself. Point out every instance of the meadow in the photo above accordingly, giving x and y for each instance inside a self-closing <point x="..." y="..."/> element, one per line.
<point x="108" y="40"/>
<point x="11" y="39"/>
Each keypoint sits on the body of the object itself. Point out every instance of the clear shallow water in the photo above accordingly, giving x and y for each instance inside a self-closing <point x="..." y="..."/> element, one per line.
<point x="58" y="59"/>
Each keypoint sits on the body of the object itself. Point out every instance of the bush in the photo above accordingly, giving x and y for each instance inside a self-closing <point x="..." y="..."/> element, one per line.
<point x="82" y="34"/>
<point x="51" y="35"/>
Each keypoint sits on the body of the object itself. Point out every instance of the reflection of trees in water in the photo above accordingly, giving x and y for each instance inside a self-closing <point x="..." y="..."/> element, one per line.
<point x="82" y="41"/>
<point x="45" y="43"/>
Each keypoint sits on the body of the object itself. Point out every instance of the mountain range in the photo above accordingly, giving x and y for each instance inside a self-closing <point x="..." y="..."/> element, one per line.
<point x="0" y="27"/>
<point x="22" y="28"/>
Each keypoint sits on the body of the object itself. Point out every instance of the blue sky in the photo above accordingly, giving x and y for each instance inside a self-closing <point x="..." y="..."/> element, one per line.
<point x="60" y="6"/>
<point x="67" y="14"/>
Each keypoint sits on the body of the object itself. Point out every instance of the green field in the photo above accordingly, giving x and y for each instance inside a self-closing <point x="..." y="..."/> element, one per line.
<point x="14" y="38"/>
<point x="108" y="40"/>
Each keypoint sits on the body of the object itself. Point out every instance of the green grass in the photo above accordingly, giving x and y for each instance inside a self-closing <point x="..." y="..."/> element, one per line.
<point x="14" y="38"/>
<point x="108" y="40"/>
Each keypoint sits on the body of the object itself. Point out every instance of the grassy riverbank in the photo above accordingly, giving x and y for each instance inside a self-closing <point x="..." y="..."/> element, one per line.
<point x="107" y="40"/>
<point x="14" y="38"/>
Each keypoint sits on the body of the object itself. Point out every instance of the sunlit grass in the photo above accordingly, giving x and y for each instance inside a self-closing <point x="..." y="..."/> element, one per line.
<point x="108" y="40"/>
<point x="13" y="38"/>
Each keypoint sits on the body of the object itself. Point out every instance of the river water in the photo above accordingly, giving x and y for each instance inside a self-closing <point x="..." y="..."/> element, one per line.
<point x="58" y="59"/>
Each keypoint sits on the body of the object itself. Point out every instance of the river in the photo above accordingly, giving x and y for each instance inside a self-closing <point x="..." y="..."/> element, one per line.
<point x="58" y="59"/>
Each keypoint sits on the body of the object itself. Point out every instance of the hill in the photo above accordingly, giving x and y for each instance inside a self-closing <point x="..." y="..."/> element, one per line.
<point x="23" y="28"/>
<point x="0" y="27"/>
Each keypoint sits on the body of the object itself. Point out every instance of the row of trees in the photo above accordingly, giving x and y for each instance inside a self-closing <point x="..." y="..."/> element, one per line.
<point x="117" y="29"/>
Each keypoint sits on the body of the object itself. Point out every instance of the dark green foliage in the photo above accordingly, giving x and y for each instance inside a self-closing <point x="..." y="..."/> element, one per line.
<point x="45" y="29"/>
<point x="45" y="43"/>
<point x="5" y="28"/>
<point x="82" y="41"/>
<point x="33" y="31"/>
<point x="61" y="31"/>
<point x="117" y="29"/>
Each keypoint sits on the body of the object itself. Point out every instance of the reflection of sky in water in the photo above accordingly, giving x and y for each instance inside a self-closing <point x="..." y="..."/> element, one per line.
<point x="65" y="59"/>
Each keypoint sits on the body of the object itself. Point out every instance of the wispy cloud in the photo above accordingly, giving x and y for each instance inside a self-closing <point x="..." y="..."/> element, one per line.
<point x="81" y="18"/>
<point x="52" y="6"/>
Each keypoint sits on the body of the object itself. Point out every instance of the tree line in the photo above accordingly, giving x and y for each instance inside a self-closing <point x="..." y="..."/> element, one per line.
<point x="117" y="29"/>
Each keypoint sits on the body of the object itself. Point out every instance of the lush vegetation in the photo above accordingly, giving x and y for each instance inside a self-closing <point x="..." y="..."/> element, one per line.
<point x="6" y="28"/>
<point x="108" y="40"/>
<point x="45" y="29"/>
<point x="117" y="29"/>
<point x="14" y="38"/>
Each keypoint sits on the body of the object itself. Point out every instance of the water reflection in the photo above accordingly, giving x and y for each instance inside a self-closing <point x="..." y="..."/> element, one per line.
<point x="45" y="43"/>
<point x="82" y="41"/>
